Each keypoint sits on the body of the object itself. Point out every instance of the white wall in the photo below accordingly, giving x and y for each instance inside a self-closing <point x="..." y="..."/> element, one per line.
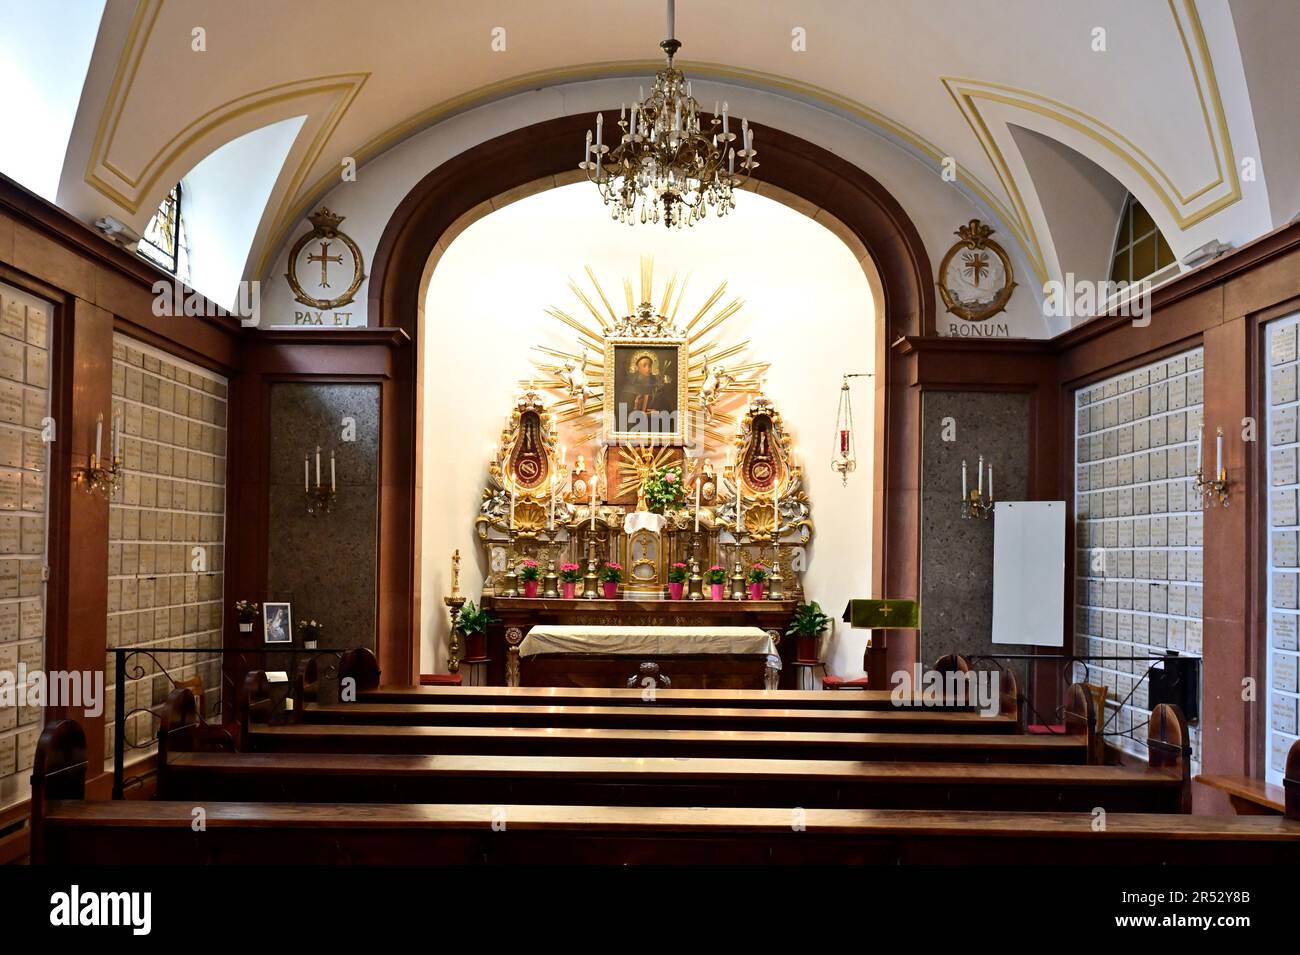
<point x="936" y="207"/>
<point x="808" y="311"/>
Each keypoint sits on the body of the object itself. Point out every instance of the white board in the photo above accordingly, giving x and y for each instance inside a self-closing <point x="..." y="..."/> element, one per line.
<point x="1029" y="573"/>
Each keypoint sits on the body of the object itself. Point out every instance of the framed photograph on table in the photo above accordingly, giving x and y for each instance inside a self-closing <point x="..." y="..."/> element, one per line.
<point x="277" y="623"/>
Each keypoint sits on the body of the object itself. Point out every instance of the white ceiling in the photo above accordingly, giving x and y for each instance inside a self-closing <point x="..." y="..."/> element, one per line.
<point x="1166" y="108"/>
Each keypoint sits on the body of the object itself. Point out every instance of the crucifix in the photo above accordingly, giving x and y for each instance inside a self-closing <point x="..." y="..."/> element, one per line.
<point x="325" y="259"/>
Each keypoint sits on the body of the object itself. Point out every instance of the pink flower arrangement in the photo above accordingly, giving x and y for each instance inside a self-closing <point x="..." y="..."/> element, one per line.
<point x="612" y="573"/>
<point x="677" y="573"/>
<point x="716" y="574"/>
<point x="758" y="573"/>
<point x="570" y="573"/>
<point x="530" y="570"/>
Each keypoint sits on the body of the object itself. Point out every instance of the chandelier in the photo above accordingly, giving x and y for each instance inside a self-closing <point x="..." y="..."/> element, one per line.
<point x="665" y="165"/>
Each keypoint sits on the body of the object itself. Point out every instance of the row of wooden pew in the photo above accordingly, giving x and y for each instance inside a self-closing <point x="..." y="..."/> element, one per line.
<point x="496" y="774"/>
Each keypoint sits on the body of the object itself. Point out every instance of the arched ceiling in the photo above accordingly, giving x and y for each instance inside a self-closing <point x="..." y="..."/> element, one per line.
<point x="1164" y="108"/>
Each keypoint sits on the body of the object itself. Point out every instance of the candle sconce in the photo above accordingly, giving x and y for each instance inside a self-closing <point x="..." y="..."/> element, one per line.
<point x="1218" y="487"/>
<point x="320" y="498"/>
<point x="95" y="476"/>
<point x="974" y="502"/>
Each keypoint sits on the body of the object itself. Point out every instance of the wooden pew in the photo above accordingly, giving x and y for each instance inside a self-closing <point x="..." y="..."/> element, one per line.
<point x="362" y="667"/>
<point x="185" y="773"/>
<point x="656" y="717"/>
<point x="73" y="831"/>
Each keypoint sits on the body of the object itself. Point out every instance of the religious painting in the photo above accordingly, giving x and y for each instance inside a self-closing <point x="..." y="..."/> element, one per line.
<point x="645" y="391"/>
<point x="277" y="623"/>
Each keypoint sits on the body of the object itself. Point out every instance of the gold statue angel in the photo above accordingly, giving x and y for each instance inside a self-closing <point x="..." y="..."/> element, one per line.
<point x="716" y="381"/>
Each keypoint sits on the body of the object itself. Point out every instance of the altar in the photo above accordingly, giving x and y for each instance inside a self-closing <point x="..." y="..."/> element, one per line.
<point x="683" y="513"/>
<point x="698" y="657"/>
<point x="679" y="622"/>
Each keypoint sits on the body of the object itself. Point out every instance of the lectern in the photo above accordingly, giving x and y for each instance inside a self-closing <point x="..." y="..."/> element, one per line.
<point x="880" y="616"/>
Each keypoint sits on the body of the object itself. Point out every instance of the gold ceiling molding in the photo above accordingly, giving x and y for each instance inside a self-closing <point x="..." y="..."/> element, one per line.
<point x="129" y="189"/>
<point x="763" y="82"/>
<point x="1182" y="207"/>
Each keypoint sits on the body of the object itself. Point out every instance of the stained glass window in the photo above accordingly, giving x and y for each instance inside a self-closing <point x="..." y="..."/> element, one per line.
<point x="1140" y="249"/>
<point x="164" y="241"/>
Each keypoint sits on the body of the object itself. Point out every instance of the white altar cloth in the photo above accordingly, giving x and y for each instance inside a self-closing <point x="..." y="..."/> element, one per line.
<point x="649" y="641"/>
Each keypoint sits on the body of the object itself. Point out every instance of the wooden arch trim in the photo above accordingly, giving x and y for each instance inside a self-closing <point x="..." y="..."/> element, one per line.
<point x="525" y="155"/>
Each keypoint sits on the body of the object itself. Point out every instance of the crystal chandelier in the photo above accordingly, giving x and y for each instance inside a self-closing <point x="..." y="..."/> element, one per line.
<point x="666" y="166"/>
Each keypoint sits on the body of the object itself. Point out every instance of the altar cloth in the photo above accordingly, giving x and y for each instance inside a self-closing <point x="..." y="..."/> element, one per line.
<point x="648" y="641"/>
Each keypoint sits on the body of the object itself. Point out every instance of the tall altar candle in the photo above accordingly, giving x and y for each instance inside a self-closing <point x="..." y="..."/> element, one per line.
<point x="740" y="506"/>
<point x="117" y="437"/>
<point x="1200" y="451"/>
<point x="699" y="483"/>
<point x="550" y="523"/>
<point x="980" y="476"/>
<point x="990" y="482"/>
<point x="99" y="438"/>
<point x="306" y="474"/>
<point x="1218" y="455"/>
<point x="318" y="465"/>
<point x="333" y="487"/>
<point x="594" y="482"/>
<point x="512" y="506"/>
<point x="963" y="480"/>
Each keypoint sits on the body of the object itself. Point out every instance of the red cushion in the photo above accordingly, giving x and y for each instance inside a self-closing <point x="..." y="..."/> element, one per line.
<point x="439" y="679"/>
<point x="830" y="682"/>
<point x="1057" y="728"/>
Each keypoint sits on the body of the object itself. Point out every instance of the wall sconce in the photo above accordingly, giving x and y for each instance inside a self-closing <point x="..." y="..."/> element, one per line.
<point x="975" y="503"/>
<point x="1208" y="490"/>
<point x="95" y="476"/>
<point x="320" y="499"/>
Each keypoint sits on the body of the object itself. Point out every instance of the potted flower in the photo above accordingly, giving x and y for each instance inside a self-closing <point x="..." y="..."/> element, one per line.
<point x="717" y="578"/>
<point x="806" y="627"/>
<point x="570" y="574"/>
<point x="757" y="574"/>
<point x="676" y="580"/>
<point x="473" y="623"/>
<point x="610" y="577"/>
<point x="531" y="574"/>
<point x="663" y="490"/>
<point x="309" y="632"/>
<point x="246" y="614"/>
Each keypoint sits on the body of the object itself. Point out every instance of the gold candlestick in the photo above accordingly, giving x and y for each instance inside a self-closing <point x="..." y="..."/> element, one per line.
<point x="454" y="647"/>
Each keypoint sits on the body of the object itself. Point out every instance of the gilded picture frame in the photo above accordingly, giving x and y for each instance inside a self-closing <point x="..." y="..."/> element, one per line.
<point x="647" y="391"/>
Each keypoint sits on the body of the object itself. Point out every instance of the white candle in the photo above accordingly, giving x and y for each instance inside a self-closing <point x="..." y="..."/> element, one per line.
<point x="550" y="523"/>
<point x="672" y="5"/>
<point x="586" y="150"/>
<point x="699" y="483"/>
<point x="600" y="130"/>
<point x="724" y="120"/>
<point x="117" y="437"/>
<point x="564" y="455"/>
<point x="740" y="507"/>
<point x="306" y="474"/>
<point x="332" y="484"/>
<point x="99" y="438"/>
<point x="318" y="465"/>
<point x="980" y="487"/>
<point x="633" y="133"/>
<point x="593" y="502"/>
<point x="963" y="480"/>
<point x="1200" y="451"/>
<point x="990" y="482"/>
<point x="512" y="507"/>
<point x="1218" y="454"/>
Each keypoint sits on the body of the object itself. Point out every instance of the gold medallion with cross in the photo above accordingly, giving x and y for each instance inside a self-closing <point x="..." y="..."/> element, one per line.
<point x="324" y="261"/>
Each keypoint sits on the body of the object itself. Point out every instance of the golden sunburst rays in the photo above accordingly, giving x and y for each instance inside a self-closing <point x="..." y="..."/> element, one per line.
<point x="561" y="370"/>
<point x="636" y="464"/>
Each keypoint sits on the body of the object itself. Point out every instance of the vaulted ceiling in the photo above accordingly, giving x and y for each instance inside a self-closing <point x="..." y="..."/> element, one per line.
<point x="1153" y="92"/>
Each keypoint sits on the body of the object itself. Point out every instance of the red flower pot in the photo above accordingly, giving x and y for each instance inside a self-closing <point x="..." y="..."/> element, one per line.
<point x="675" y="590"/>
<point x="718" y="591"/>
<point x="570" y="589"/>
<point x="530" y="588"/>
<point x="756" y="591"/>
<point x="806" y="649"/>
<point x="476" y="646"/>
<point x="611" y="589"/>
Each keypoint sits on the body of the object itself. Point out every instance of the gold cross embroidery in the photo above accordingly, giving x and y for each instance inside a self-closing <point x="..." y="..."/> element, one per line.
<point x="325" y="259"/>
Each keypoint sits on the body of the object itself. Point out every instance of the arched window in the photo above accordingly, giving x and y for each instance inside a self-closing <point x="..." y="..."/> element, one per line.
<point x="164" y="241"/>
<point x="1140" y="250"/>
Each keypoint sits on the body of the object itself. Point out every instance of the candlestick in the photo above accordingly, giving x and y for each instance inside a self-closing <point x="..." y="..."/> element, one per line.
<point x="99" y="438"/>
